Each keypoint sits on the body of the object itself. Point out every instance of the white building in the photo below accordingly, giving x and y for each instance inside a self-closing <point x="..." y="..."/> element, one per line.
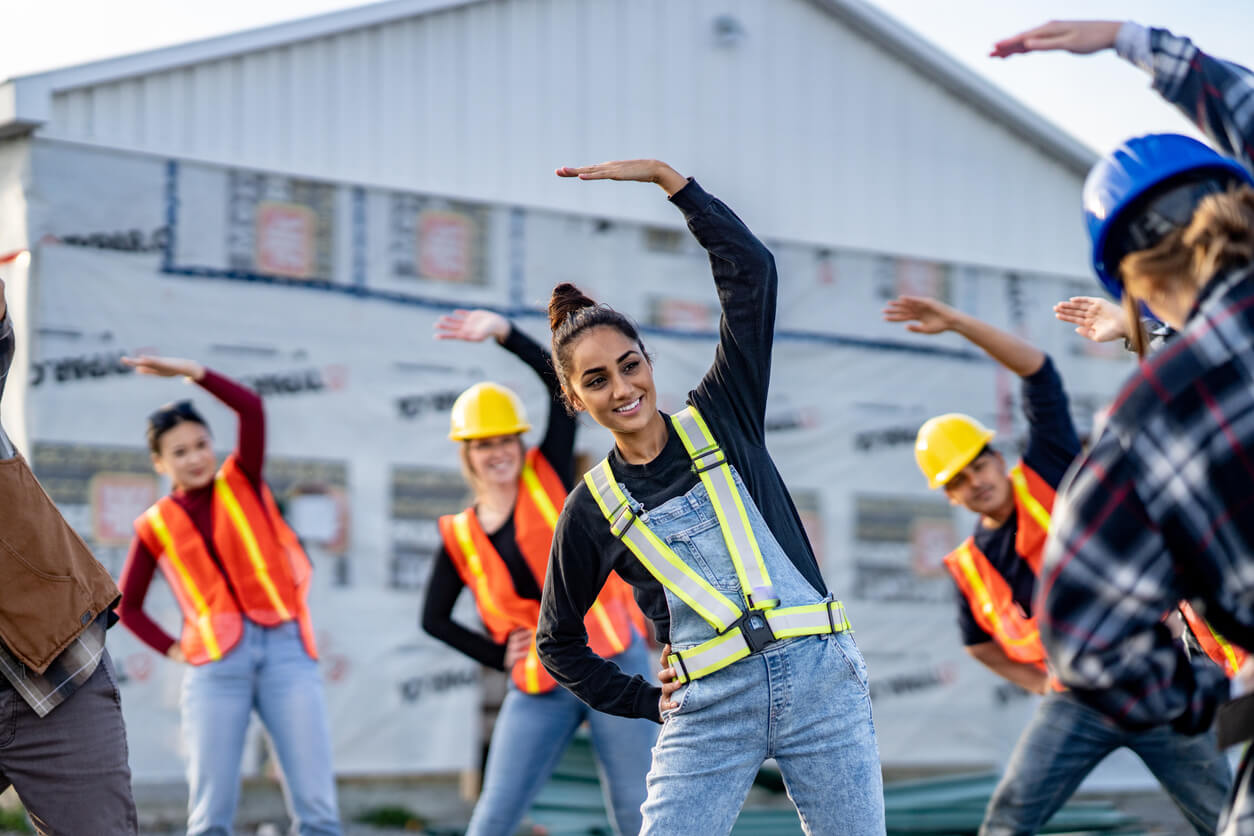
<point x="294" y="205"/>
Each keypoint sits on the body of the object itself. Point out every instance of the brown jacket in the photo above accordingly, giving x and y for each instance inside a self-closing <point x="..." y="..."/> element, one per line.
<point x="51" y="588"/>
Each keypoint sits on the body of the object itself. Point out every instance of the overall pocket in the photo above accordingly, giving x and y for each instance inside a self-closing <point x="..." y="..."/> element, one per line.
<point x="704" y="550"/>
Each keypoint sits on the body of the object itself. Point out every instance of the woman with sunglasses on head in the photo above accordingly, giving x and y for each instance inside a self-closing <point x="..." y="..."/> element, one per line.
<point x="499" y="548"/>
<point x="690" y="510"/>
<point x="241" y="579"/>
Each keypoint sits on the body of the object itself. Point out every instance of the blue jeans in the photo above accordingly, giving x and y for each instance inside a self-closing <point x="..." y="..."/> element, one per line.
<point x="533" y="730"/>
<point x="268" y="671"/>
<point x="1064" y="742"/>
<point x="802" y="701"/>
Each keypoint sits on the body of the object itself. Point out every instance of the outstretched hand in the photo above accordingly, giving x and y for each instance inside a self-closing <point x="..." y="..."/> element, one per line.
<point x="472" y="326"/>
<point x="1096" y="319"/>
<point x="1081" y="37"/>
<point x="641" y="171"/>
<point x="923" y="315"/>
<point x="165" y="366"/>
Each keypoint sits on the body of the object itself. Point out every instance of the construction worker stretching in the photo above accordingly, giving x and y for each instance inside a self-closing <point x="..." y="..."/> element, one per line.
<point x="691" y="511"/>
<point x="995" y="571"/>
<point x="499" y="548"/>
<point x="241" y="580"/>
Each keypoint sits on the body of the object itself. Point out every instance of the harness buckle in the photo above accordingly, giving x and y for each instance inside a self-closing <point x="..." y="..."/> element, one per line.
<point x="622" y="518"/>
<point x="713" y="454"/>
<point x="756" y="630"/>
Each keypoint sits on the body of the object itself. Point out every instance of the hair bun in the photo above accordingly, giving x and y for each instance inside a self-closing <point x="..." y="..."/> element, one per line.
<point x="566" y="300"/>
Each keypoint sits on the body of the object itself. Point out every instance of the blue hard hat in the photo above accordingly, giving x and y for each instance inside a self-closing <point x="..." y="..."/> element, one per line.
<point x="1134" y="170"/>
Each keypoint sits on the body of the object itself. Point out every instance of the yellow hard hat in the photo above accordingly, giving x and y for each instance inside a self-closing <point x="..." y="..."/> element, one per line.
<point x="487" y="409"/>
<point x="948" y="443"/>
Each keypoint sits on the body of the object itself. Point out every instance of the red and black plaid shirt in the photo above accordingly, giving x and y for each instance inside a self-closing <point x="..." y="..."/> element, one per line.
<point x="1161" y="509"/>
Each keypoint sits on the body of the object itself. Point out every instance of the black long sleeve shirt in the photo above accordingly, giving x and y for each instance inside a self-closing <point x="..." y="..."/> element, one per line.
<point x="445" y="585"/>
<point x="732" y="399"/>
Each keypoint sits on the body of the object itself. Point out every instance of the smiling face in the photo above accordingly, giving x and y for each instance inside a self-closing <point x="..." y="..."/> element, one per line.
<point x="495" y="460"/>
<point x="611" y="379"/>
<point x="185" y="454"/>
<point x="983" y="487"/>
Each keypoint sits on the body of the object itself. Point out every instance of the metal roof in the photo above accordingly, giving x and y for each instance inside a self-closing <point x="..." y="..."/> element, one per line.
<point x="25" y="101"/>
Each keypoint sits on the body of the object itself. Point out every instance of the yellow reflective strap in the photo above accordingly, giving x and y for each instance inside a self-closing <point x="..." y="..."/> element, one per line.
<point x="607" y="627"/>
<point x="1229" y="652"/>
<point x="204" y="623"/>
<point x="807" y="620"/>
<point x="224" y="494"/>
<point x="669" y="570"/>
<point x="1024" y="493"/>
<point x="461" y="529"/>
<point x="539" y="495"/>
<point x="967" y="563"/>
<point x="736" y="537"/>
<point x="531" y="669"/>
<point x="699" y="655"/>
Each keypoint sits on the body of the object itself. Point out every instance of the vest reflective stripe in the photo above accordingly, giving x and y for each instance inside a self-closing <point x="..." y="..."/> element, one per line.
<point x="1023" y="493"/>
<point x="482" y="590"/>
<point x="1221" y="651"/>
<point x="656" y="556"/>
<point x="541" y="493"/>
<point x="711" y="465"/>
<point x="203" y="620"/>
<point x="733" y="642"/>
<point x="538" y="495"/>
<point x="1017" y="635"/>
<point x="222" y="492"/>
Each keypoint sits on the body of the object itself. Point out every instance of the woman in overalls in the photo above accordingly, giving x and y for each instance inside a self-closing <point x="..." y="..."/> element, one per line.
<point x="690" y="510"/>
<point x="241" y="579"/>
<point x="499" y="548"/>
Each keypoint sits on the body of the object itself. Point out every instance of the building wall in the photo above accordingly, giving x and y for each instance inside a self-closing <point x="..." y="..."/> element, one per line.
<point x="826" y="136"/>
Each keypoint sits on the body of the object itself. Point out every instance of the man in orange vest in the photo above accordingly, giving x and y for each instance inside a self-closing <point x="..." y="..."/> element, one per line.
<point x="995" y="572"/>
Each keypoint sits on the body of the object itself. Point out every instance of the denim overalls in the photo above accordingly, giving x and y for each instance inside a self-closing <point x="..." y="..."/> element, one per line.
<point x="803" y="701"/>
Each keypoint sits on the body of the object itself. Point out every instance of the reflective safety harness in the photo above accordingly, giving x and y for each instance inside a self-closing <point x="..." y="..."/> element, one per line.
<point x="740" y="632"/>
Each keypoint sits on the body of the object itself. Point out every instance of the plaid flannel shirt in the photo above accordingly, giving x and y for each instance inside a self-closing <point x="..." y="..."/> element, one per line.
<point x="44" y="692"/>
<point x="1159" y="510"/>
<point x="1215" y="95"/>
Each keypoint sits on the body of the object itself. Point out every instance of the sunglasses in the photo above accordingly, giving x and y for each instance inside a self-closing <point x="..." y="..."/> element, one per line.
<point x="171" y="415"/>
<point x="1161" y="215"/>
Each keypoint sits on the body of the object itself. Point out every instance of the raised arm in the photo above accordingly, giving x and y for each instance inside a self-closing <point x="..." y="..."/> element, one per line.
<point x="558" y="445"/>
<point x="747" y="283"/>
<point x="1210" y="92"/>
<point x="929" y="316"/>
<point x="250" y="445"/>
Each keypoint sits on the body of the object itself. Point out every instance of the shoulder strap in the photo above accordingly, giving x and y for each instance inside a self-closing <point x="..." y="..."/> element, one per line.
<point x="710" y="464"/>
<point x="657" y="557"/>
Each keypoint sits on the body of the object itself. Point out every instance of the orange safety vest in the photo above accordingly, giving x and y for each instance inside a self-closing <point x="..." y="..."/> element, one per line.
<point x="260" y="554"/>
<point x="481" y="568"/>
<point x="1221" y="651"/>
<point x="991" y="598"/>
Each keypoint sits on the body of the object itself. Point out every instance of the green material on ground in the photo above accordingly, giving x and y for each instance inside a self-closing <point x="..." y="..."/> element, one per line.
<point x="571" y="803"/>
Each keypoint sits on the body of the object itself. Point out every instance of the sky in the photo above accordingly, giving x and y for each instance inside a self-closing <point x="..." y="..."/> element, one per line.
<point x="1099" y="99"/>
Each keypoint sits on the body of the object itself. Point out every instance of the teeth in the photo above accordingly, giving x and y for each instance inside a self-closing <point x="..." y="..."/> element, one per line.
<point x="629" y="407"/>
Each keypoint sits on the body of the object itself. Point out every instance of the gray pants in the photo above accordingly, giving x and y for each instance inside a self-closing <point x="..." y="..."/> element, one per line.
<point x="70" y="768"/>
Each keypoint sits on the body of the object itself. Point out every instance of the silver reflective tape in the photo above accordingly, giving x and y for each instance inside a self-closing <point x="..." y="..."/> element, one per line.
<point x="656" y="556"/>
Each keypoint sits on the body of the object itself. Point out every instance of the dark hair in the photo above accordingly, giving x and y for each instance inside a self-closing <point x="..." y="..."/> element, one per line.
<point x="167" y="418"/>
<point x="571" y="313"/>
